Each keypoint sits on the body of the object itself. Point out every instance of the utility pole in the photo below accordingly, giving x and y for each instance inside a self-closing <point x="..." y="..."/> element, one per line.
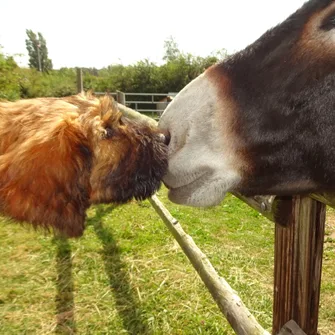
<point x="80" y="85"/>
<point x="39" y="56"/>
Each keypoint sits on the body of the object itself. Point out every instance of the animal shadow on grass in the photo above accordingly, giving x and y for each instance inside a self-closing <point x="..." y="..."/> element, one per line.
<point x="64" y="285"/>
<point x="116" y="270"/>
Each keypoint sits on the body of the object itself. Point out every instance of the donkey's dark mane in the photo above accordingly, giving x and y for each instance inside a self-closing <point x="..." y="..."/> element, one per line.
<point x="285" y="109"/>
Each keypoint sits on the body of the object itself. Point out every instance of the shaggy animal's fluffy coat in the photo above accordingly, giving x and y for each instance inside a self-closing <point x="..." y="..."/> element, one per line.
<point x="57" y="156"/>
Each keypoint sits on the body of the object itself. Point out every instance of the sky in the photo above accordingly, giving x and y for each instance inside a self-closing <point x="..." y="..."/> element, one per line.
<point x="100" y="33"/>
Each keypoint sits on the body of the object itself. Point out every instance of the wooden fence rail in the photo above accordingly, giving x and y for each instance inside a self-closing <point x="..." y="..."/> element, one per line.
<point x="230" y="304"/>
<point x="152" y="105"/>
<point x="151" y="99"/>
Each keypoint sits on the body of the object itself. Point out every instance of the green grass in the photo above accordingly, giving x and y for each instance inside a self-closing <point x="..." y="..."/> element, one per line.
<point x="127" y="275"/>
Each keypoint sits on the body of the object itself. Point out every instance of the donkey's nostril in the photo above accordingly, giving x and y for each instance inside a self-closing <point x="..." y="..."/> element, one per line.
<point x="167" y="138"/>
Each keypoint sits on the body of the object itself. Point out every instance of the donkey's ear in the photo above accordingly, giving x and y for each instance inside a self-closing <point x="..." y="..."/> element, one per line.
<point x="45" y="181"/>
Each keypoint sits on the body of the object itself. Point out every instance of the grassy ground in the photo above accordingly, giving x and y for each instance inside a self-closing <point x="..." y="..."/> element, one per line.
<point x="128" y="276"/>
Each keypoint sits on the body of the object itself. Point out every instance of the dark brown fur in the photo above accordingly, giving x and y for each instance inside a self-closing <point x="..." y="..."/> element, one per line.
<point x="57" y="156"/>
<point x="283" y="86"/>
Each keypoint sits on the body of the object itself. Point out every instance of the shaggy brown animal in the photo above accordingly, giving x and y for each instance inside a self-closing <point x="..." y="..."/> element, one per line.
<point x="59" y="155"/>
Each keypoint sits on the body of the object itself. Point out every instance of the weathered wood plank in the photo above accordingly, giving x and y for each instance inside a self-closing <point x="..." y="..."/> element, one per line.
<point x="264" y="204"/>
<point x="325" y="198"/>
<point x="291" y="328"/>
<point x="132" y="114"/>
<point x="298" y="263"/>
<point x="120" y="97"/>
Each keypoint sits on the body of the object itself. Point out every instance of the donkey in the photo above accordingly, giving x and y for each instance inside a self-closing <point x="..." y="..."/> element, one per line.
<point x="262" y="121"/>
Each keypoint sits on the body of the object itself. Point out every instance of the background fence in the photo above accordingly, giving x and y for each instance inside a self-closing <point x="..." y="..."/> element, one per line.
<point x="152" y="104"/>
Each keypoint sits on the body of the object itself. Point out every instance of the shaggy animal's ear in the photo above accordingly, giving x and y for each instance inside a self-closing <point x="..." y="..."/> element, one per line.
<point x="44" y="180"/>
<point x="109" y="112"/>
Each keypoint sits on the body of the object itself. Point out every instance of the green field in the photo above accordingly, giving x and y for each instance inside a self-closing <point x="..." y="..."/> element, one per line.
<point x="127" y="275"/>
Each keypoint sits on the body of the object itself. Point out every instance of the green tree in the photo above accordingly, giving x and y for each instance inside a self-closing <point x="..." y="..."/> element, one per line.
<point x="38" y="52"/>
<point x="171" y="48"/>
<point x="9" y="78"/>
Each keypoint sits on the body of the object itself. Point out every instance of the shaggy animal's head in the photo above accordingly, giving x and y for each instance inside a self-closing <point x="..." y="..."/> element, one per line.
<point x="57" y="156"/>
<point x="129" y="156"/>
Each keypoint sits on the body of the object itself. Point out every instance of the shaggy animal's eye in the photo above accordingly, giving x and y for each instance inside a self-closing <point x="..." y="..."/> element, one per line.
<point x="109" y="132"/>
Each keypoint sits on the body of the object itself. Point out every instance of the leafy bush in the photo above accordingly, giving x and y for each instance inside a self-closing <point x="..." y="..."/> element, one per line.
<point x="56" y="83"/>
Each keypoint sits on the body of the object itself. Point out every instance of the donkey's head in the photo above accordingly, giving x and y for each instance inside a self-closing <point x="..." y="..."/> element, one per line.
<point x="261" y="122"/>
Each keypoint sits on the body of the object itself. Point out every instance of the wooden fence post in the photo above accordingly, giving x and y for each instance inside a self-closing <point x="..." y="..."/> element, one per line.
<point x="298" y="265"/>
<point x="120" y="97"/>
<point x="80" y="86"/>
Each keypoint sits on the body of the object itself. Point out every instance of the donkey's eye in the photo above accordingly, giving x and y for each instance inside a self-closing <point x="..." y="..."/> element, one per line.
<point x="329" y="23"/>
